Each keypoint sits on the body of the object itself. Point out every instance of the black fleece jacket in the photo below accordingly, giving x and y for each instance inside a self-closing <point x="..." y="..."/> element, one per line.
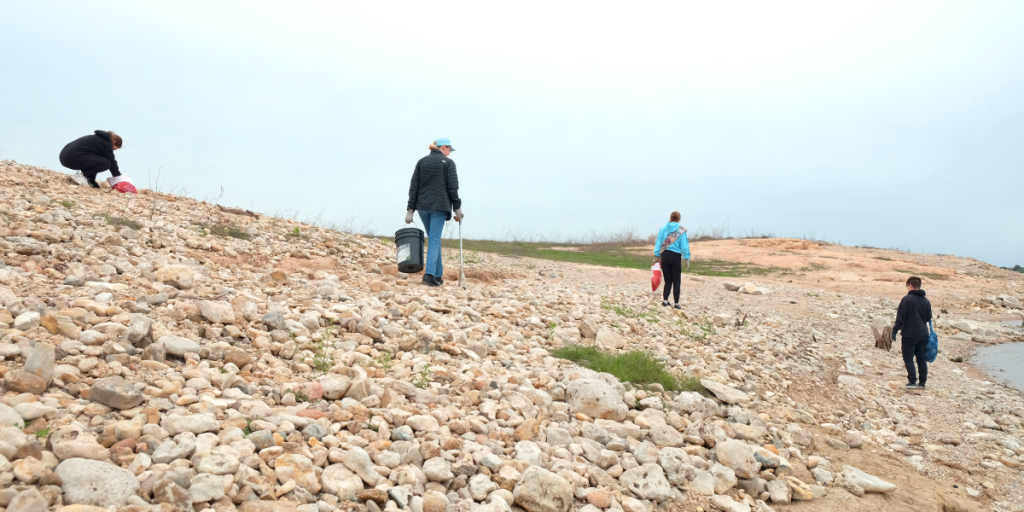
<point x="913" y="315"/>
<point x="435" y="184"/>
<point x="97" y="144"/>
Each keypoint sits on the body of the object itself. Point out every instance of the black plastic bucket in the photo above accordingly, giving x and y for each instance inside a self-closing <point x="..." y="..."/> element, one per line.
<point x="410" y="250"/>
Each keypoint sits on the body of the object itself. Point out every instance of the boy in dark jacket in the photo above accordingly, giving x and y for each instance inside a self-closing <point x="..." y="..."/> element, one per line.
<point x="92" y="155"/>
<point x="912" y="318"/>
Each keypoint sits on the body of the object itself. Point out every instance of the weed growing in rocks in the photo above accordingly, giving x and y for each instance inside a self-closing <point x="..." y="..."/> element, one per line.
<point x="114" y="220"/>
<point x="637" y="367"/>
<point x="630" y="312"/>
<point x="422" y="379"/>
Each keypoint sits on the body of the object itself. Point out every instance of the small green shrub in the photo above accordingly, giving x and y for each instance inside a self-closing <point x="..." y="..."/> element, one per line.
<point x="422" y="379"/>
<point x="67" y="204"/>
<point x="43" y="432"/>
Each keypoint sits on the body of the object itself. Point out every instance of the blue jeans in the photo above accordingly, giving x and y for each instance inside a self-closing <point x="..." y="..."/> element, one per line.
<point x="433" y="222"/>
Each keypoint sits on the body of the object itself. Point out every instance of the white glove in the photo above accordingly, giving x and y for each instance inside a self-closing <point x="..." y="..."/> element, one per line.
<point x="687" y="263"/>
<point x="408" y="217"/>
<point x="458" y="215"/>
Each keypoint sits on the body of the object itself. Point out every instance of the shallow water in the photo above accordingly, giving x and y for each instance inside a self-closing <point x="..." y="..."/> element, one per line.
<point x="1013" y="322"/>
<point x="1004" y="363"/>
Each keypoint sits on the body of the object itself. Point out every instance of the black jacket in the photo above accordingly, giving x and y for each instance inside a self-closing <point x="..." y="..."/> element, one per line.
<point x="98" y="144"/>
<point x="435" y="184"/>
<point x="913" y="315"/>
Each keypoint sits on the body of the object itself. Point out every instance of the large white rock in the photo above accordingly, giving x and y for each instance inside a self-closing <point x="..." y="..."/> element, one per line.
<point x="218" y="312"/>
<point x="540" y="490"/>
<point x="340" y="481"/>
<point x="91" y="482"/>
<point x="358" y="461"/>
<point x="195" y="423"/>
<point x="335" y="386"/>
<point x="739" y="457"/>
<point x="610" y="339"/>
<point x="178" y="346"/>
<point x="596" y="399"/>
<point x="869" y="483"/>
<point x="26" y="321"/>
<point x="725" y="393"/>
<point x="647" y="482"/>
<point x="178" y="276"/>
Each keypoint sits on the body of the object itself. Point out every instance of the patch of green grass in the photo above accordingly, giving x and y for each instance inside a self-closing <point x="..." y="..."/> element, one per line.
<point x="650" y="316"/>
<point x="226" y="231"/>
<point x="638" y="367"/>
<point x="883" y="258"/>
<point x="813" y="267"/>
<point x="721" y="268"/>
<point x="67" y="204"/>
<point x="927" y="275"/>
<point x="121" y="221"/>
<point x="43" y="432"/>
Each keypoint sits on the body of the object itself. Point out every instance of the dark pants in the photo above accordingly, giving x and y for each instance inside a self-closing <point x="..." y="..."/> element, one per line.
<point x="915" y="347"/>
<point x="90" y="165"/>
<point x="671" y="271"/>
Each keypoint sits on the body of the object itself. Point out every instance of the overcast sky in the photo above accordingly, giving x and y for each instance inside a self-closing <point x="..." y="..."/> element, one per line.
<point x="891" y="124"/>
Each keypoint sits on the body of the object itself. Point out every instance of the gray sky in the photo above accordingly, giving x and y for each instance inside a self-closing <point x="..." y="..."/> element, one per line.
<point x="891" y="124"/>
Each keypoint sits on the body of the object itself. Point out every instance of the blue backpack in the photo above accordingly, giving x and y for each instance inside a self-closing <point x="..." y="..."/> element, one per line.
<point x="933" y="344"/>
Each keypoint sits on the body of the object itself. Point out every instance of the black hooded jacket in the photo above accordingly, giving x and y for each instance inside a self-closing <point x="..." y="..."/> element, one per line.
<point x="84" y="149"/>
<point x="435" y="184"/>
<point x="913" y="315"/>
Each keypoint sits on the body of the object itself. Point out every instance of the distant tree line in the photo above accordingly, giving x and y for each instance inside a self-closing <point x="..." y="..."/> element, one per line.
<point x="1015" y="268"/>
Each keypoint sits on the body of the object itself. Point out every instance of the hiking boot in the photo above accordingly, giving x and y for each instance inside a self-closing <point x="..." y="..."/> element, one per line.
<point x="429" y="280"/>
<point x="665" y="303"/>
<point x="440" y="280"/>
<point x="920" y="386"/>
<point x="910" y="385"/>
<point x="677" y="306"/>
<point x="92" y="182"/>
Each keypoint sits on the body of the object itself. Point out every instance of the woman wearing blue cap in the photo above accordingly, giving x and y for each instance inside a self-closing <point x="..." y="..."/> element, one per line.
<point x="434" y="191"/>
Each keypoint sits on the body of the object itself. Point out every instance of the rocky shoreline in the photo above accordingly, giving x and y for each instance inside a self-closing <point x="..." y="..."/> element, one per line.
<point x="149" y="364"/>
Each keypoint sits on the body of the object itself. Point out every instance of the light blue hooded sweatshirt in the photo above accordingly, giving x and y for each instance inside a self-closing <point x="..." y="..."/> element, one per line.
<point x="681" y="245"/>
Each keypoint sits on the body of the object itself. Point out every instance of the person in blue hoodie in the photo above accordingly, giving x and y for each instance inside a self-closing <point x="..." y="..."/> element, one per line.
<point x="672" y="248"/>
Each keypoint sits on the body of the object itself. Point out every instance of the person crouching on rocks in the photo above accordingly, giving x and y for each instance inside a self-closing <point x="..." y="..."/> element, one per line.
<point x="912" y="317"/>
<point x="434" y="191"/>
<point x="92" y="155"/>
<point x="672" y="248"/>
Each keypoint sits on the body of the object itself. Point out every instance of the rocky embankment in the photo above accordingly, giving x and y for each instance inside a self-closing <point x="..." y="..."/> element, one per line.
<point x="149" y="364"/>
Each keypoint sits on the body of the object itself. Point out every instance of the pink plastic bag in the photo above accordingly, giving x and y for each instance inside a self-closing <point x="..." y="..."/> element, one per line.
<point x="122" y="184"/>
<point x="655" y="276"/>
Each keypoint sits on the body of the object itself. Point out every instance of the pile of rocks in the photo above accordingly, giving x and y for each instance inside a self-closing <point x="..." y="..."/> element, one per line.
<point x="149" y="365"/>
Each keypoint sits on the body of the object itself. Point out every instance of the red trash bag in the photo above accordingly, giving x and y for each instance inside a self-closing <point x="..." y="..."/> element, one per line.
<point x="655" y="276"/>
<point x="122" y="184"/>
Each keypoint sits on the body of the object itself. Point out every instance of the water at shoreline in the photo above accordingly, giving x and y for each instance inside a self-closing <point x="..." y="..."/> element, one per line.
<point x="1003" y="363"/>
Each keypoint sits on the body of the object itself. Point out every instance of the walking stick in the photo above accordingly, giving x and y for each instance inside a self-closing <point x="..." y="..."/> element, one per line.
<point x="462" y="275"/>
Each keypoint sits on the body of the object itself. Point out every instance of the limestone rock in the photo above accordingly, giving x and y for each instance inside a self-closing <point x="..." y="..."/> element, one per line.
<point x="725" y="393"/>
<point x="116" y="392"/>
<point x="91" y="482"/>
<point x="178" y="276"/>
<point x="596" y="399"/>
<point x="540" y="490"/>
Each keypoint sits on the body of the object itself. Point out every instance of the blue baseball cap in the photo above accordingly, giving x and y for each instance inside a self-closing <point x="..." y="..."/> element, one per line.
<point x="443" y="141"/>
